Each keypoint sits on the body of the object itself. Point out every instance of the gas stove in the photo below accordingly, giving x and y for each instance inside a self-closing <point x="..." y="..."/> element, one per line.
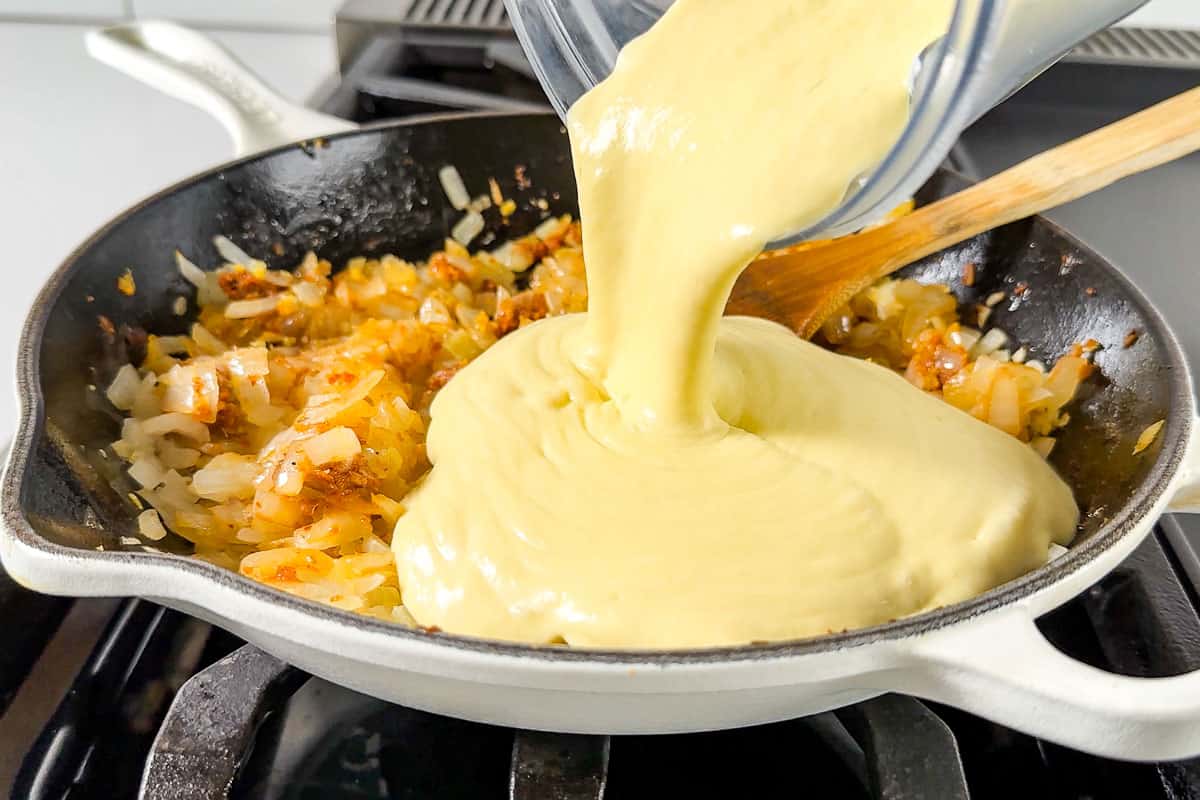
<point x="122" y="698"/>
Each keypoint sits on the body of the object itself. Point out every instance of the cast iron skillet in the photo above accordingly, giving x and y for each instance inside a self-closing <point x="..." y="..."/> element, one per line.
<point x="375" y="191"/>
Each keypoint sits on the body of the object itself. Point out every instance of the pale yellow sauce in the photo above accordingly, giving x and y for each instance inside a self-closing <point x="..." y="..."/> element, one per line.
<point x="651" y="475"/>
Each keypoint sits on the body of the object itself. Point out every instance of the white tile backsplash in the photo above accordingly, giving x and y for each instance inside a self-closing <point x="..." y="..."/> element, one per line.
<point x="1167" y="14"/>
<point x="101" y="9"/>
<point x="318" y="14"/>
<point x="286" y="14"/>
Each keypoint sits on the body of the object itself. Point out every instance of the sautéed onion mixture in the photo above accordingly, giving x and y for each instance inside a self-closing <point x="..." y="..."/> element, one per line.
<point x="282" y="434"/>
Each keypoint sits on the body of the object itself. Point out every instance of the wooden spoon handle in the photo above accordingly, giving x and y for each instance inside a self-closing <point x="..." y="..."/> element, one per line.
<point x="1160" y="134"/>
<point x="803" y="286"/>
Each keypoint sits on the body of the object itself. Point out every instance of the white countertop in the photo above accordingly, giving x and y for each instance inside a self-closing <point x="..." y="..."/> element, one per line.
<point x="80" y="142"/>
<point x="1167" y="14"/>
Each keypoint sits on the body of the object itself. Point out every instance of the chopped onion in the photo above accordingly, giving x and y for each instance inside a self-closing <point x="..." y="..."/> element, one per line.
<point x="1148" y="436"/>
<point x="193" y="390"/>
<point x="173" y="345"/>
<point x="254" y="396"/>
<point x="391" y="511"/>
<point x="124" y="389"/>
<point x="245" y="309"/>
<point x="460" y="344"/>
<point x="176" y="457"/>
<point x="290" y="480"/>
<point x="324" y="408"/>
<point x="231" y="252"/>
<point x="401" y="616"/>
<point x="433" y="312"/>
<point x="992" y="341"/>
<point x="308" y="293"/>
<point x="150" y="525"/>
<point x="368" y="583"/>
<point x="249" y="361"/>
<point x="134" y="437"/>
<point x="227" y="476"/>
<point x="1037" y="395"/>
<point x="461" y="260"/>
<point x="251" y="536"/>
<point x="315" y="401"/>
<point x="175" y="493"/>
<point x="195" y="520"/>
<point x="470" y="226"/>
<point x="336" y="444"/>
<point x="206" y="342"/>
<point x="147" y="471"/>
<point x="965" y="338"/>
<point x="468" y="317"/>
<point x="193" y="274"/>
<point x="453" y="186"/>
<point x="179" y="306"/>
<point x="211" y="293"/>
<point x="376" y="287"/>
<point x="1057" y="551"/>
<point x="551" y="227"/>
<point x="1065" y="377"/>
<point x="1043" y="445"/>
<point x="175" y="422"/>
<point x="332" y="530"/>
<point x="1004" y="412"/>
<point x="146" y="404"/>
<point x="503" y="253"/>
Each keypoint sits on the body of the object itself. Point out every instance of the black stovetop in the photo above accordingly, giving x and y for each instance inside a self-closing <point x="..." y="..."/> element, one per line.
<point x="87" y="688"/>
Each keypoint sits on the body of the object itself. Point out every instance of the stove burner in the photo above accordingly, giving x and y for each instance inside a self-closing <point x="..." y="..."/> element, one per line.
<point x="898" y="749"/>
<point x="554" y="766"/>
<point x="211" y="725"/>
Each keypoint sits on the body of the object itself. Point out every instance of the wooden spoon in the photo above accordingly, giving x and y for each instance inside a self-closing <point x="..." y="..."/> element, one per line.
<point x="802" y="286"/>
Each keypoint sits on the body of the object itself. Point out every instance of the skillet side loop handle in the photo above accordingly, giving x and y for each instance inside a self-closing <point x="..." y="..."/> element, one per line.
<point x="193" y="68"/>
<point x="1186" y="496"/>
<point x="1000" y="667"/>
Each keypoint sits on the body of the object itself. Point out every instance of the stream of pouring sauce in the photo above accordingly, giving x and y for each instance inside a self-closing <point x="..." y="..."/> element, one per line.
<point x="652" y="475"/>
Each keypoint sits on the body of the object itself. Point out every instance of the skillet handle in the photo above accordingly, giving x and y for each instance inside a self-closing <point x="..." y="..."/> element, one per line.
<point x="193" y="68"/>
<point x="999" y="666"/>
<point x="1186" y="497"/>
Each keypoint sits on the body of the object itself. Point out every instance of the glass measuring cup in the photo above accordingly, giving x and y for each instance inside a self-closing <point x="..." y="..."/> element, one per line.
<point x="993" y="47"/>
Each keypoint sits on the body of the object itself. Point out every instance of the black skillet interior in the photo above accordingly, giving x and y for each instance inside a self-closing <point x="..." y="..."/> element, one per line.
<point x="377" y="191"/>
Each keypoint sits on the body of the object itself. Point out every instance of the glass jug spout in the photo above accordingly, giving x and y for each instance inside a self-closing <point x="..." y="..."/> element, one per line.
<point x="992" y="49"/>
<point x="1018" y="39"/>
